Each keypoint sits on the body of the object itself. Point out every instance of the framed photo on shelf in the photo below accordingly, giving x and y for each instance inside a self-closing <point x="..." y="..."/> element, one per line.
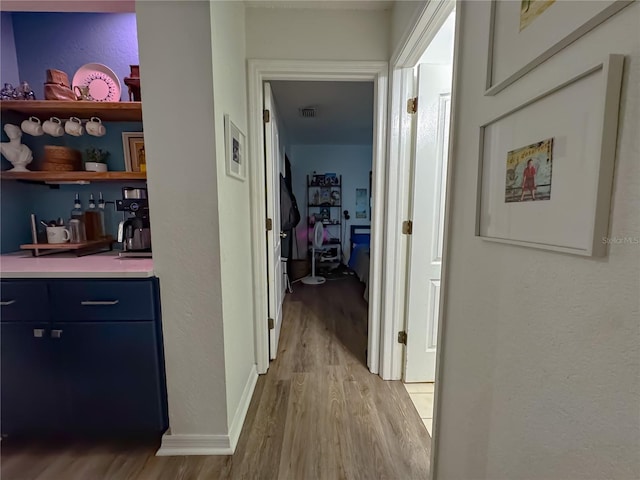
<point x="546" y="167"/>
<point x="526" y="33"/>
<point x="135" y="158"/>
<point x="325" y="196"/>
<point x="235" y="150"/>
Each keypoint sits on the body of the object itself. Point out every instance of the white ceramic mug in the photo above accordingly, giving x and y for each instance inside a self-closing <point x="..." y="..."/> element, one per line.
<point x="74" y="127"/>
<point x="32" y="126"/>
<point x="58" y="235"/>
<point x="94" y="127"/>
<point x="53" y="127"/>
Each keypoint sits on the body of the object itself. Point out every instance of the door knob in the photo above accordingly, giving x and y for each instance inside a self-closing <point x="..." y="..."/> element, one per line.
<point x="56" y="333"/>
<point x="283" y="235"/>
<point x="38" y="332"/>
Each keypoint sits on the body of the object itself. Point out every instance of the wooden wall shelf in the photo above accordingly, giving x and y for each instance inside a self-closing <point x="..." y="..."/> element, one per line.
<point x="106" y="111"/>
<point x="54" y="177"/>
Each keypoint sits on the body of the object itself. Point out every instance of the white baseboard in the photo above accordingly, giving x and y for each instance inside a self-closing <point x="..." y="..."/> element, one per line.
<point x="241" y="412"/>
<point x="194" y="445"/>
<point x="186" y="444"/>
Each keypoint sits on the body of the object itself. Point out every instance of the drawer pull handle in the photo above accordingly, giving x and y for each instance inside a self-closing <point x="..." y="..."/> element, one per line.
<point x="38" y="332"/>
<point x="98" y="303"/>
<point x="56" y="333"/>
<point x="7" y="303"/>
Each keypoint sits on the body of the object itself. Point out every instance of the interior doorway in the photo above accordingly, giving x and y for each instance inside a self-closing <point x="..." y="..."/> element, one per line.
<point x="323" y="132"/>
<point x="266" y="72"/>
<point x="431" y="81"/>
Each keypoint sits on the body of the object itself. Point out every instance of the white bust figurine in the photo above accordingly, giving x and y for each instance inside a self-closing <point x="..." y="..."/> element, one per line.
<point x="18" y="154"/>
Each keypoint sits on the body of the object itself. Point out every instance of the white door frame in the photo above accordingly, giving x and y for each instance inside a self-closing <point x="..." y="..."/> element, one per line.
<point x="260" y="71"/>
<point x="407" y="54"/>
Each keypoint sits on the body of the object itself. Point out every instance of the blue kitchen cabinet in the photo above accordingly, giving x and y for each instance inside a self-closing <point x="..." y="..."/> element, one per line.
<point x="30" y="394"/>
<point x="112" y="377"/>
<point x="93" y="364"/>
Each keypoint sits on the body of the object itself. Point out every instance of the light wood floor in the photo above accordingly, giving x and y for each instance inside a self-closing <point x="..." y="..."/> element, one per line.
<point x="317" y="414"/>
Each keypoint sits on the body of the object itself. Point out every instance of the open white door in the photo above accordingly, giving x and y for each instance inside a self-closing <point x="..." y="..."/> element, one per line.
<point x="425" y="256"/>
<point x="272" y="155"/>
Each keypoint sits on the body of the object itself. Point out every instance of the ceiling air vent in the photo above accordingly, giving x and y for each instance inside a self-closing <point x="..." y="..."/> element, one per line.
<point x="308" y="112"/>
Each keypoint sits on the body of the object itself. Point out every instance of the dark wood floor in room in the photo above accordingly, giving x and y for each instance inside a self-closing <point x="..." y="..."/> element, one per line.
<point x="317" y="414"/>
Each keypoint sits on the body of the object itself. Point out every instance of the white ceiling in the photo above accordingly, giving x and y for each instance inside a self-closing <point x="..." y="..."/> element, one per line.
<point x="323" y="5"/>
<point x="344" y="112"/>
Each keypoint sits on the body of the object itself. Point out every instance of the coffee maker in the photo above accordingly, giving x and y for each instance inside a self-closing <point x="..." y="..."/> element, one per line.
<point x="134" y="231"/>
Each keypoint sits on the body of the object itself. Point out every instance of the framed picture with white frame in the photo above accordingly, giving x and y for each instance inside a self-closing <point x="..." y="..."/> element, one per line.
<point x="526" y="33"/>
<point x="546" y="167"/>
<point x="235" y="150"/>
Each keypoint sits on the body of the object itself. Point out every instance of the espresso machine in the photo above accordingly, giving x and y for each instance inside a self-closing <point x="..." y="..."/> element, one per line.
<point x="134" y="231"/>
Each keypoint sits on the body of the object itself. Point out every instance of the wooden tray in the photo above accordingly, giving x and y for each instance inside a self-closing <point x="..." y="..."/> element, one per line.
<point x="84" y="248"/>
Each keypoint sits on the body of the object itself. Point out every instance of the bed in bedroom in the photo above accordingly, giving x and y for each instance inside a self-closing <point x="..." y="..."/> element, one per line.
<point x="359" y="259"/>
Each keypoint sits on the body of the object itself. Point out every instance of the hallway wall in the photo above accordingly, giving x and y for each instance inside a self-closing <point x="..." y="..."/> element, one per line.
<point x="313" y="34"/>
<point x="541" y="350"/>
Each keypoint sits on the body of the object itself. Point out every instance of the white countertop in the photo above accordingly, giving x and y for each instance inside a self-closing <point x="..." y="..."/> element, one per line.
<point x="65" y="265"/>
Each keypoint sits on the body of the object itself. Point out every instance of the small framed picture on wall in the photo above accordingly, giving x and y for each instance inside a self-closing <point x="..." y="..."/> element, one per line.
<point x="135" y="157"/>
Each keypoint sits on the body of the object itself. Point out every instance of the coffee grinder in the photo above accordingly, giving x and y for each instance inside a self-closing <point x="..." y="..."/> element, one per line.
<point x="134" y="231"/>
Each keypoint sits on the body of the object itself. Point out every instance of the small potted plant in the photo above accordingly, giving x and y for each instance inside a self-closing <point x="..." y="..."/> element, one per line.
<point x="96" y="160"/>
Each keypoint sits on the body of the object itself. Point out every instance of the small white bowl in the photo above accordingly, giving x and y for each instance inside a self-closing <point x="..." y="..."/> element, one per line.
<point x="95" y="167"/>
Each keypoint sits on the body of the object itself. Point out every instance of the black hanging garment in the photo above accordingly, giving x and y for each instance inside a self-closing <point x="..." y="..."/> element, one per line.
<point x="289" y="216"/>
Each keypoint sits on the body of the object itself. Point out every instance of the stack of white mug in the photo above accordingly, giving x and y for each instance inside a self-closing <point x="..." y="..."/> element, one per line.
<point x="56" y="128"/>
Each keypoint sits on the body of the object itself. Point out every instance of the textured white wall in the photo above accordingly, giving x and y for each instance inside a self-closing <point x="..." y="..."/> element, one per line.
<point x="541" y="351"/>
<point x="180" y="133"/>
<point x="404" y="16"/>
<point x="230" y="97"/>
<point x="308" y="34"/>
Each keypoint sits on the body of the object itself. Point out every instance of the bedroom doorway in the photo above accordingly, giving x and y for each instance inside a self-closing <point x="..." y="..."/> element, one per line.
<point x="324" y="130"/>
<point x="313" y="181"/>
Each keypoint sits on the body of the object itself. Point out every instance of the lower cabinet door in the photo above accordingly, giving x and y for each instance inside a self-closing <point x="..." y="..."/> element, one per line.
<point x="29" y="399"/>
<point x="112" y="377"/>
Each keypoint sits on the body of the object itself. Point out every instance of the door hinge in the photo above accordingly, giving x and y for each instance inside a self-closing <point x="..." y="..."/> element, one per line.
<point x="412" y="105"/>
<point x="271" y="323"/>
<point x="269" y="224"/>
<point x="407" y="227"/>
<point x="402" y="337"/>
<point x="266" y="116"/>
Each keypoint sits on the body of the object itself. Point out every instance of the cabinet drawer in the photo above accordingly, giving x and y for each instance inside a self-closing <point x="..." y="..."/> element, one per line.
<point x="24" y="302"/>
<point x="82" y="300"/>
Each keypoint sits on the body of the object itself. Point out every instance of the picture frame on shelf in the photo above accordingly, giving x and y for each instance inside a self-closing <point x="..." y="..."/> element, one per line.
<point x="571" y="214"/>
<point x="325" y="196"/>
<point x="135" y="158"/>
<point x="524" y="34"/>
<point x="335" y="197"/>
<point x="235" y="150"/>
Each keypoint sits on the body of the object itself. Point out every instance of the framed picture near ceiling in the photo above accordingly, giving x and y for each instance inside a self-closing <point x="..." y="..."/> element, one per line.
<point x="525" y="33"/>
<point x="546" y="167"/>
<point x="235" y="150"/>
<point x="135" y="157"/>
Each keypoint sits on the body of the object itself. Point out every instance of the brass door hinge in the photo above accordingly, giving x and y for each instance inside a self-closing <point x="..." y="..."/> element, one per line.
<point x="412" y="105"/>
<point x="269" y="224"/>
<point x="271" y="323"/>
<point x="266" y="116"/>
<point x="407" y="227"/>
<point x="402" y="337"/>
